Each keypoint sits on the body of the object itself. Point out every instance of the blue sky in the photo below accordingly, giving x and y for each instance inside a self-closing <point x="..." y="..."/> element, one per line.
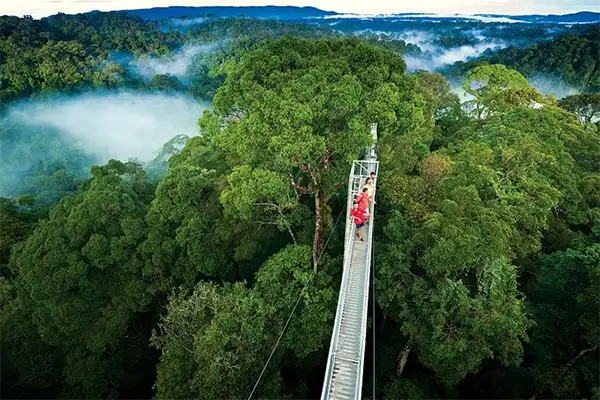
<point x="41" y="8"/>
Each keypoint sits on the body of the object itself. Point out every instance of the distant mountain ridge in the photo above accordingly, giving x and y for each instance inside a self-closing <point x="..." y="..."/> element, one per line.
<point x="269" y="12"/>
<point x="300" y="13"/>
<point x="579" y="17"/>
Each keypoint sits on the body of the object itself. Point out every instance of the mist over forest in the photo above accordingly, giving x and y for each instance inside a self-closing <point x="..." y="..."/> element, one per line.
<point x="172" y="179"/>
<point x="96" y="126"/>
<point x="178" y="68"/>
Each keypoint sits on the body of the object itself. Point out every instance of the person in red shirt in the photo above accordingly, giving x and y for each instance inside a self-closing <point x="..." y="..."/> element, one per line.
<point x="359" y="216"/>
<point x="363" y="199"/>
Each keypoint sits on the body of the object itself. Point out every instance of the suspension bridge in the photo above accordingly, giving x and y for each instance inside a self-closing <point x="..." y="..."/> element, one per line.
<point x="345" y="362"/>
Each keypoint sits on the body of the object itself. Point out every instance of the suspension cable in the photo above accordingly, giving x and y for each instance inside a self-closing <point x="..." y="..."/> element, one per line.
<point x="296" y="305"/>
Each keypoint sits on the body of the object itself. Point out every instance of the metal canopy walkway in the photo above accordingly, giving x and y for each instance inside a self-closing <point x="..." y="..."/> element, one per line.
<point x="343" y="376"/>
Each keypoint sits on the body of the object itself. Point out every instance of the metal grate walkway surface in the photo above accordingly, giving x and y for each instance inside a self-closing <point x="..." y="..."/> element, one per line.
<point x="343" y="376"/>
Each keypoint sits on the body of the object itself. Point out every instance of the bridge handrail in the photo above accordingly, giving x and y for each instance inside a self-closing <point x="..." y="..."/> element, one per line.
<point x="366" y="292"/>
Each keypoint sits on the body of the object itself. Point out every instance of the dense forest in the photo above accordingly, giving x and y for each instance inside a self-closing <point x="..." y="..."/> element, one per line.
<point x="569" y="58"/>
<point x="174" y="278"/>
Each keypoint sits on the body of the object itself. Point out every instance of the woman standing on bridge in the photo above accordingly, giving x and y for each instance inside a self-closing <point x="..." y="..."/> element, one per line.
<point x="359" y="216"/>
<point x="369" y="184"/>
<point x="364" y="198"/>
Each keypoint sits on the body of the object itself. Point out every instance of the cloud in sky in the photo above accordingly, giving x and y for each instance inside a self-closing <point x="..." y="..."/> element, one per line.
<point x="42" y="8"/>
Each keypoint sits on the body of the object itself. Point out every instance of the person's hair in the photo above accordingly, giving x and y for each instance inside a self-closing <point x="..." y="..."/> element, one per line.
<point x="365" y="189"/>
<point x="367" y="180"/>
<point x="372" y="174"/>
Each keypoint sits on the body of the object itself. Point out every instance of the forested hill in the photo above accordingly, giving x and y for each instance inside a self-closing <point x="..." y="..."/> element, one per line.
<point x="121" y="279"/>
<point x="70" y="53"/>
<point x="570" y="58"/>
<point x="99" y="55"/>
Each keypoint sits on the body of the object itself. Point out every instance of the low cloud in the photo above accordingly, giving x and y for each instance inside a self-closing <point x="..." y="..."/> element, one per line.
<point x="460" y="92"/>
<point x="188" y="21"/>
<point x="419" y="38"/>
<point x="439" y="58"/>
<point x="121" y="126"/>
<point x="177" y="64"/>
<point x="433" y="56"/>
<point x="555" y="87"/>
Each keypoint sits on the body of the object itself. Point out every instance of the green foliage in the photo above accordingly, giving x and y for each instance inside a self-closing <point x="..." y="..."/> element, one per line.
<point x="16" y="222"/>
<point x="395" y="45"/>
<point x="243" y="29"/>
<point x="448" y="271"/>
<point x="436" y="90"/>
<point x="449" y="42"/>
<point x="158" y="167"/>
<point x="403" y="389"/>
<point x="564" y="301"/>
<point x="39" y="161"/>
<point x="80" y="279"/>
<point x="295" y="112"/>
<point x="62" y="65"/>
<point x="71" y="52"/>
<point x="455" y="319"/>
<point x="215" y="340"/>
<point x="263" y="197"/>
<point x="189" y="236"/>
<point x="114" y="31"/>
<point x="166" y="83"/>
<point x="486" y="234"/>
<point x="570" y="58"/>
<point x="497" y="89"/>
<point x="586" y="106"/>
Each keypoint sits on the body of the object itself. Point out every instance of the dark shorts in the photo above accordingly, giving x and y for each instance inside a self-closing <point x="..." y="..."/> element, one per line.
<point x="358" y="226"/>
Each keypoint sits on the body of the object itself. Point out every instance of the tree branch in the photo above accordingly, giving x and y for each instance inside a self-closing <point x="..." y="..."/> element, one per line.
<point x="297" y="187"/>
<point x="565" y="368"/>
<point x="402" y="357"/>
<point x="287" y="225"/>
<point x="577" y="357"/>
<point x="174" y="336"/>
<point x="280" y="211"/>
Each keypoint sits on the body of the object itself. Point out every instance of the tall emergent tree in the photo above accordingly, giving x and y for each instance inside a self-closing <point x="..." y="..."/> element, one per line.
<point x="496" y="88"/>
<point x="291" y="116"/>
<point x="585" y="106"/>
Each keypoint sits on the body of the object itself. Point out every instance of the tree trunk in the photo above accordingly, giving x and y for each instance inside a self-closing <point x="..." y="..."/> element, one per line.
<point x="320" y="208"/>
<point x="319" y="230"/>
<point x="402" y="357"/>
